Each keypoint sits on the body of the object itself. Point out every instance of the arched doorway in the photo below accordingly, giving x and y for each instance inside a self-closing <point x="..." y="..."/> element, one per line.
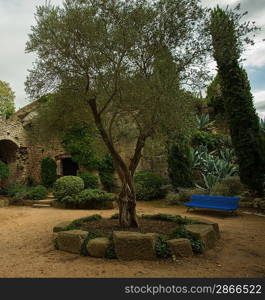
<point x="8" y="154"/>
<point x="69" y="167"/>
<point x="8" y="151"/>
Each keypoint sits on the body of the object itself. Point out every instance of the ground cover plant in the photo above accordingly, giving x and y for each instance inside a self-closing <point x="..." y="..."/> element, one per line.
<point x="22" y="192"/>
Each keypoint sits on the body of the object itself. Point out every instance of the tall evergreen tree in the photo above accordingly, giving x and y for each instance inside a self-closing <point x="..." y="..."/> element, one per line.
<point x="179" y="165"/>
<point x="241" y="114"/>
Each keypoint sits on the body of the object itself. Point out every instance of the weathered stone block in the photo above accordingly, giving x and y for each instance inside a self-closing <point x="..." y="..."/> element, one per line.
<point x="134" y="245"/>
<point x="71" y="241"/>
<point x="205" y="233"/>
<point x="98" y="247"/>
<point x="207" y="222"/>
<point x="180" y="247"/>
<point x="61" y="226"/>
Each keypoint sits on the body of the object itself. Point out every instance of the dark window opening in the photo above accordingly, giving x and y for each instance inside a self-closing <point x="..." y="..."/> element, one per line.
<point x="8" y="150"/>
<point x="69" y="167"/>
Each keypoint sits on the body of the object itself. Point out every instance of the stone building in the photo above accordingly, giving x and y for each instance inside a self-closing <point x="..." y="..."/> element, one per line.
<point x="24" y="157"/>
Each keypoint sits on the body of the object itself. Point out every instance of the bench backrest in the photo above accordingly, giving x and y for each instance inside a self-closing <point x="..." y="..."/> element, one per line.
<point x="231" y="202"/>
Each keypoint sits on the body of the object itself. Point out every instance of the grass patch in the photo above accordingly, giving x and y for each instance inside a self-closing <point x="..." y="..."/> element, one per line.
<point x="77" y="223"/>
<point x="170" y="218"/>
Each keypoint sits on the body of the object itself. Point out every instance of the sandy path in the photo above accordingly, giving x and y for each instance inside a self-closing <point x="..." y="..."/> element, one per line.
<point x="26" y="249"/>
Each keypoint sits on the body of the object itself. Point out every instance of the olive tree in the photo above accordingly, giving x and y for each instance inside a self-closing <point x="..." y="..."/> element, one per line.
<point x="124" y="63"/>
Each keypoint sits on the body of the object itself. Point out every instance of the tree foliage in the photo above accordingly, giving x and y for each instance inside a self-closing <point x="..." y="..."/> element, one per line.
<point x="180" y="164"/>
<point x="123" y="63"/>
<point x="242" y="118"/>
<point x="4" y="170"/>
<point x="48" y="171"/>
<point x="7" y="96"/>
<point x="79" y="142"/>
<point x="214" y="96"/>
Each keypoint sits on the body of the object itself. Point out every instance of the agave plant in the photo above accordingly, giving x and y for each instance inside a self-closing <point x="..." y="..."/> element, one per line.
<point x="213" y="166"/>
<point x="228" y="155"/>
<point x="203" y="122"/>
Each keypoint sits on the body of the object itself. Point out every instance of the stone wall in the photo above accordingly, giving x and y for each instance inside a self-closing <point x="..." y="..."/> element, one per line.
<point x="25" y="158"/>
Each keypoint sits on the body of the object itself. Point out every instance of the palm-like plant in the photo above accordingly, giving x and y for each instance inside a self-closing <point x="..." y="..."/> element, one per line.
<point x="214" y="167"/>
<point x="203" y="122"/>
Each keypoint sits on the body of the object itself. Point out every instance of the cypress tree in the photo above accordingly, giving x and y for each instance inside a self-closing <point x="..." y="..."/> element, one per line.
<point x="240" y="111"/>
<point x="48" y="171"/>
<point x="179" y="165"/>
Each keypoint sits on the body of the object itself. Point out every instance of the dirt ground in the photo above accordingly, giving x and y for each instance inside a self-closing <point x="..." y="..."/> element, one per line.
<point x="26" y="248"/>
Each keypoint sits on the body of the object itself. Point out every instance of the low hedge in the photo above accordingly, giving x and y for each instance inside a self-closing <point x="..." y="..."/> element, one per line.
<point x="229" y="186"/>
<point x="67" y="186"/>
<point x="90" y="181"/>
<point x="38" y="192"/>
<point x="21" y="192"/>
<point x="89" y="199"/>
<point x="149" y="186"/>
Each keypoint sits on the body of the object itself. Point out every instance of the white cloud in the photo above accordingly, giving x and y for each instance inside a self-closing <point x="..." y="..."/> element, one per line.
<point x="213" y="3"/>
<point x="259" y="97"/>
<point x="16" y="17"/>
<point x="255" y="56"/>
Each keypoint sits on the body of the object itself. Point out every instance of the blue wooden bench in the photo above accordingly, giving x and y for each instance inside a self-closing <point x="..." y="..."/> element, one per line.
<point x="213" y="202"/>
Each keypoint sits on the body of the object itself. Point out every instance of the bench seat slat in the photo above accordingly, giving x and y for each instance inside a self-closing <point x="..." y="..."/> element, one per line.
<point x="210" y="206"/>
<point x="214" y="202"/>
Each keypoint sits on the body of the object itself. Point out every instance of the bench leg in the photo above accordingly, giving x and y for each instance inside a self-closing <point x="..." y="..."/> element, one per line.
<point x="234" y="212"/>
<point x="189" y="208"/>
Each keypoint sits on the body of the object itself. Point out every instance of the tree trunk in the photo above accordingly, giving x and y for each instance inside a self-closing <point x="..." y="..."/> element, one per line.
<point x="127" y="206"/>
<point x="127" y="199"/>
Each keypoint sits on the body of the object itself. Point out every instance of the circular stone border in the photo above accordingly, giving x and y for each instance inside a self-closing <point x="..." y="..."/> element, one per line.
<point x="127" y="245"/>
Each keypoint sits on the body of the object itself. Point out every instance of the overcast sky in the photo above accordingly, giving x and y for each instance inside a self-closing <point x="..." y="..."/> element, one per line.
<point x="16" y="17"/>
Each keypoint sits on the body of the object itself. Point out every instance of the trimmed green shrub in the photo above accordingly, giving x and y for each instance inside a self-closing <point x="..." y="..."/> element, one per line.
<point x="48" y="171"/>
<point x="94" y="198"/>
<point x="180" y="165"/>
<point x="173" y="199"/>
<point x="185" y="195"/>
<point x="148" y="186"/>
<point x="67" y="186"/>
<point x="38" y="192"/>
<point x="229" y="186"/>
<point x="17" y="191"/>
<point x="90" y="180"/>
<point x="4" y="170"/>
